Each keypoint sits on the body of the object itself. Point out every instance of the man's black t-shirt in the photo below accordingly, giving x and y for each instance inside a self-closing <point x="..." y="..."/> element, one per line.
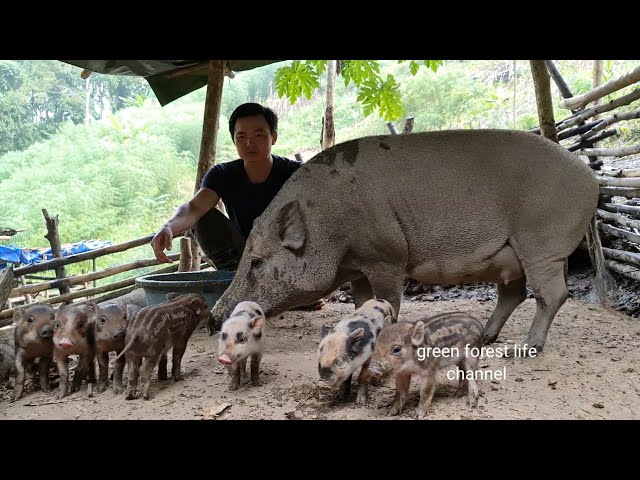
<point x="245" y="201"/>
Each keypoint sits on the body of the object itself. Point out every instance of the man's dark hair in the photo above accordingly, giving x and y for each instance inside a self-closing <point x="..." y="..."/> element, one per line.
<point x="251" y="110"/>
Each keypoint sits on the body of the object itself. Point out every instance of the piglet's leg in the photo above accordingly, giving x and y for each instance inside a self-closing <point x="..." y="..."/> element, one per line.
<point x="134" y="372"/>
<point x="403" y="380"/>
<point x="63" y="371"/>
<point x="162" y="367"/>
<point x="345" y="389"/>
<point x="255" y="369"/>
<point x="235" y="381"/>
<point x="148" y="364"/>
<point x="363" y="384"/>
<point x="426" y="392"/>
<point x="20" y="364"/>
<point x="103" y="367"/>
<point x="176" y="360"/>
<point x="44" y="373"/>
<point x="117" y="375"/>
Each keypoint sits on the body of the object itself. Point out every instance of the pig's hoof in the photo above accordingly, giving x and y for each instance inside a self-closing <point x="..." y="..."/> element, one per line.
<point x="489" y="338"/>
<point x="460" y="392"/>
<point x="420" y="415"/>
<point x="101" y="388"/>
<point x="130" y="396"/>
<point x="396" y="409"/>
<point x="472" y="402"/>
<point x="162" y="375"/>
<point x="117" y="390"/>
<point x="256" y="382"/>
<point x="361" y="400"/>
<point x="45" y="389"/>
<point x="146" y="396"/>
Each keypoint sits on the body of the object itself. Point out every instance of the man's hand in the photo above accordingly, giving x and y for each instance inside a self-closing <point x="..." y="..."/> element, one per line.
<point x="161" y="241"/>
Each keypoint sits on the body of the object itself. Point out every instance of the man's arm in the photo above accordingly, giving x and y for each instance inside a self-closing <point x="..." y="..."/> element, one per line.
<point x="186" y="216"/>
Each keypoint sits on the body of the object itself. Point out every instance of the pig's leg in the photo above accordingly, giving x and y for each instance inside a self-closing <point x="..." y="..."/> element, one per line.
<point x="162" y="367"/>
<point x="117" y="374"/>
<point x="550" y="291"/>
<point x="43" y="374"/>
<point x="91" y="373"/>
<point x="148" y="365"/>
<point x="403" y="381"/>
<point x="426" y="391"/>
<point x="255" y="368"/>
<point x="509" y="297"/>
<point x="361" y="291"/>
<point x="63" y="372"/>
<point x="363" y="384"/>
<point x="387" y="284"/>
<point x="176" y="359"/>
<point x="20" y="367"/>
<point x="242" y="365"/>
<point x="103" y="367"/>
<point x="81" y="370"/>
<point x="345" y="389"/>
<point x="235" y="381"/>
<point x="134" y="371"/>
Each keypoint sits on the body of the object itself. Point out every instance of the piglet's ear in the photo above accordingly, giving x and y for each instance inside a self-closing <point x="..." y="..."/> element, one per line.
<point x="324" y="331"/>
<point x="388" y="320"/>
<point x="256" y="325"/>
<point x="417" y="334"/>
<point x="18" y="313"/>
<point x="354" y="341"/>
<point x="91" y="307"/>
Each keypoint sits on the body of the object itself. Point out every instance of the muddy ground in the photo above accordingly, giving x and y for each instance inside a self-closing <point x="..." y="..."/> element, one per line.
<point x="590" y="369"/>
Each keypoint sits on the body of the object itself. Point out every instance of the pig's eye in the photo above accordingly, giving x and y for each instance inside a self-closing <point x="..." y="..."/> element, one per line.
<point x="396" y="350"/>
<point x="103" y="319"/>
<point x="57" y="325"/>
<point x="224" y="336"/>
<point x="342" y="363"/>
<point x="256" y="262"/>
<point x="30" y="319"/>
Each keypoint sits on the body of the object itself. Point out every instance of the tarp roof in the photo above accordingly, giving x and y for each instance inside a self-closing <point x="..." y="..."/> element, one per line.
<point x="169" y="79"/>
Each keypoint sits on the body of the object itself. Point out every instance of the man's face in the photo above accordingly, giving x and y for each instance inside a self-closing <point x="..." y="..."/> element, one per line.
<point x="253" y="138"/>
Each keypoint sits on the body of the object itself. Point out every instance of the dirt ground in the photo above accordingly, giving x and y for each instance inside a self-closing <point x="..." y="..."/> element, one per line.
<point x="590" y="369"/>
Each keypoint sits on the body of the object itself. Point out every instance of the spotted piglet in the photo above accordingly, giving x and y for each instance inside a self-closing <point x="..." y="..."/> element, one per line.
<point x="349" y="346"/>
<point x="242" y="336"/>
<point x="33" y="339"/>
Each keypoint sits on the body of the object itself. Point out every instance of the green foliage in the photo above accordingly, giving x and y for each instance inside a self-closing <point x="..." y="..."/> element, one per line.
<point x="297" y="79"/>
<point x="374" y="91"/>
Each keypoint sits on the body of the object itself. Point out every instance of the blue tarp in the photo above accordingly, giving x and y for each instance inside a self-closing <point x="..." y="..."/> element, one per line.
<point x="27" y="256"/>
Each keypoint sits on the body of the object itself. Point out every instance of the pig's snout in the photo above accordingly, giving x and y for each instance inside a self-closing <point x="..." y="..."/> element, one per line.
<point x="324" y="385"/>
<point x="46" y="332"/>
<point x="65" y="343"/>
<point x="224" y="359"/>
<point x="375" y="371"/>
<point x="119" y="333"/>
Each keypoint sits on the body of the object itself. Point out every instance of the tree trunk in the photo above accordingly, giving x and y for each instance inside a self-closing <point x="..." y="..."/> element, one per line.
<point x="542" y="84"/>
<point x="329" y="132"/>
<point x="597" y="80"/>
<point x="56" y="249"/>
<point x="6" y="284"/>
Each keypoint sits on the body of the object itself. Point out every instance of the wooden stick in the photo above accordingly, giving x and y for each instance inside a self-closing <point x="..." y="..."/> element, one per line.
<point x="75" y="280"/>
<point x="98" y="252"/>
<point x="619" y="233"/>
<point x="633" y="182"/>
<point x="610" y="152"/>
<point x="605" y="107"/>
<point x="589" y="143"/>
<point x="626" y="270"/>
<point x="604" y="123"/>
<point x="408" y="125"/>
<point x="620" y="191"/>
<point x="601" y="91"/>
<point x="109" y="296"/>
<point x="185" y="255"/>
<point x="629" y="210"/>
<point x="542" y="87"/>
<point x="6" y="284"/>
<point x="619" y="218"/>
<point x="621" y="255"/>
<point x="196" y="254"/>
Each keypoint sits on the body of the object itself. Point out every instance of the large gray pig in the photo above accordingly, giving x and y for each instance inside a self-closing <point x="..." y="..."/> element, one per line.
<point x="446" y="207"/>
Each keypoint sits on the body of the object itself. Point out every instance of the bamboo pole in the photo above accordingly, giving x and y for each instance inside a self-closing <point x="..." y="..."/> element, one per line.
<point x="107" y="272"/>
<point x="619" y="218"/>
<point x="601" y="91"/>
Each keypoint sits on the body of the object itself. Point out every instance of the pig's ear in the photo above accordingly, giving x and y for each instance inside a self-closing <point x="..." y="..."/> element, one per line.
<point x="196" y="304"/>
<point x="172" y="295"/>
<point x="354" y="341"/>
<point x="256" y="324"/>
<point x="91" y="307"/>
<point x="417" y="334"/>
<point x="324" y="331"/>
<point x="388" y="320"/>
<point x="290" y="226"/>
